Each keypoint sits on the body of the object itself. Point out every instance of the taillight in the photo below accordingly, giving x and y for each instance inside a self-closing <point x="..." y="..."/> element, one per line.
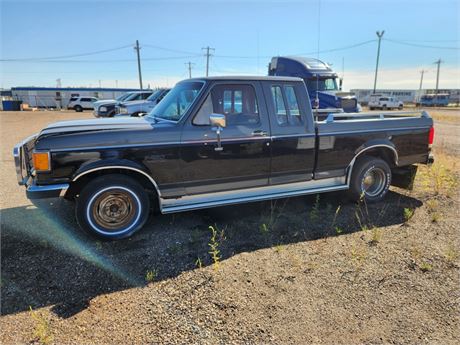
<point x="431" y="136"/>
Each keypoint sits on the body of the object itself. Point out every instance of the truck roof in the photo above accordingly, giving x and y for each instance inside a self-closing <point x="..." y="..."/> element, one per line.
<point x="258" y="78"/>
<point x="302" y="66"/>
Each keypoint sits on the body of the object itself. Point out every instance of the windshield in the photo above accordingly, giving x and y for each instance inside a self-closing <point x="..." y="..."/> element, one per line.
<point x="122" y="97"/>
<point x="327" y="84"/>
<point x="177" y="101"/>
<point x="154" y="95"/>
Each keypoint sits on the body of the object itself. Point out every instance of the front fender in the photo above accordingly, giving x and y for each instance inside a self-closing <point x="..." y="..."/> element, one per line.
<point x="109" y="164"/>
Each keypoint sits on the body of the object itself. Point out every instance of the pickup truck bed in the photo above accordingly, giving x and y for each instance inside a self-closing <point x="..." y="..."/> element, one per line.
<point x="219" y="141"/>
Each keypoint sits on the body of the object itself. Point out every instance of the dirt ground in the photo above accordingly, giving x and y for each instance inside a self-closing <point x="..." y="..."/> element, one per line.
<point x="316" y="269"/>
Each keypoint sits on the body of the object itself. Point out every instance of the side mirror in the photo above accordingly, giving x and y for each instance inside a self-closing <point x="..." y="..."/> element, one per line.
<point x="219" y="123"/>
<point x="217" y="120"/>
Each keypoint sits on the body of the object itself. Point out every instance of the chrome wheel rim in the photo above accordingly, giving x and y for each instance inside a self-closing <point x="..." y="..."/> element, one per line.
<point x="373" y="182"/>
<point x="114" y="209"/>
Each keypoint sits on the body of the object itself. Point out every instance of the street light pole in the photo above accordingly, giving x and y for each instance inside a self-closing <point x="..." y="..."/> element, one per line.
<point x="379" y="35"/>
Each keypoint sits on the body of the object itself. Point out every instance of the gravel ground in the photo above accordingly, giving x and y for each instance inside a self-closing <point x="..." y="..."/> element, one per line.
<point x="293" y="271"/>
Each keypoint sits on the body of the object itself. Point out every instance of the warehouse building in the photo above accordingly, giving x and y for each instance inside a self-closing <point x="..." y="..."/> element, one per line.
<point x="58" y="97"/>
<point x="406" y="96"/>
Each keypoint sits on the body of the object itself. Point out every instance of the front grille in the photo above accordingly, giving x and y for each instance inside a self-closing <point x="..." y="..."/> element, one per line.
<point x="348" y="103"/>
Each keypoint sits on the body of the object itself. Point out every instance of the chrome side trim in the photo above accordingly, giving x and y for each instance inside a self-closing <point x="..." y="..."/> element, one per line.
<point x="321" y="134"/>
<point x="194" y="202"/>
<point x="120" y="167"/>
<point x="350" y="166"/>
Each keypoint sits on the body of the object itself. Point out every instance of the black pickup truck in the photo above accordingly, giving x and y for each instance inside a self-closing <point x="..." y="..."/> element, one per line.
<point x="218" y="141"/>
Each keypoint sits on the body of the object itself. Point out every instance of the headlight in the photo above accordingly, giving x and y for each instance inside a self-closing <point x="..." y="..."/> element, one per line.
<point x="104" y="109"/>
<point x="41" y="161"/>
<point x="123" y="111"/>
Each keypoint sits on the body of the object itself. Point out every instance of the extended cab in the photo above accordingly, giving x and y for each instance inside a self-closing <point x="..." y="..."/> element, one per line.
<point x="218" y="141"/>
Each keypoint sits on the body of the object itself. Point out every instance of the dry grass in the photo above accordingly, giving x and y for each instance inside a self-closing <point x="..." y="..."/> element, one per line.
<point x="440" y="178"/>
<point x="441" y="116"/>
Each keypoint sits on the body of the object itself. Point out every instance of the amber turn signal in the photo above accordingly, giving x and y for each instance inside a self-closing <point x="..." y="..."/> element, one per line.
<point x="41" y="161"/>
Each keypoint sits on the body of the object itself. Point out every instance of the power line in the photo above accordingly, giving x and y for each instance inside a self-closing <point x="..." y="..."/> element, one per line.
<point x="420" y="45"/>
<point x="70" y="56"/>
<point x="171" y="50"/>
<point x="108" y="60"/>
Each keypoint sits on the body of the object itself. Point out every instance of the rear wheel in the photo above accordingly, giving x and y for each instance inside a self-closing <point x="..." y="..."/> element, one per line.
<point x="78" y="108"/>
<point x="384" y="107"/>
<point x="112" y="207"/>
<point x="370" y="179"/>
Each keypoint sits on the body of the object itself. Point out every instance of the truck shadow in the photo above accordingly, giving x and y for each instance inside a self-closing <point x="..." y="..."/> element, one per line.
<point x="48" y="261"/>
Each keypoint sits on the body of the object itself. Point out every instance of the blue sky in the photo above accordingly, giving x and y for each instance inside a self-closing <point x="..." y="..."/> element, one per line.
<point x="244" y="34"/>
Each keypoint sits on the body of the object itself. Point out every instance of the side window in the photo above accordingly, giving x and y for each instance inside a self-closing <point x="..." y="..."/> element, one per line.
<point x="146" y="95"/>
<point x="280" y="107"/>
<point x="237" y="102"/>
<point x="293" y="105"/>
<point x="85" y="100"/>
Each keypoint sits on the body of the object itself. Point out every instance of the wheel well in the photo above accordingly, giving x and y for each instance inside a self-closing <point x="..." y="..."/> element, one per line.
<point x="76" y="186"/>
<point x="381" y="152"/>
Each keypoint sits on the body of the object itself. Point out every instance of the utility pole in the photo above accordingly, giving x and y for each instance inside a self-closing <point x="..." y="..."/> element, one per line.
<point x="379" y="35"/>
<point x="137" y="49"/>
<point x="208" y="55"/>
<point x="437" y="74"/>
<point x="189" y="64"/>
<point x="422" y="72"/>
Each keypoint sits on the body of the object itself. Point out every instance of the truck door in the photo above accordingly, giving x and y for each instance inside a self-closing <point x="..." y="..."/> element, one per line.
<point x="293" y="133"/>
<point x="244" y="159"/>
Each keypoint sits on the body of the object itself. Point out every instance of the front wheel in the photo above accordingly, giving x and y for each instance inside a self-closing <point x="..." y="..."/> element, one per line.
<point x="112" y="207"/>
<point x="78" y="108"/>
<point x="370" y="179"/>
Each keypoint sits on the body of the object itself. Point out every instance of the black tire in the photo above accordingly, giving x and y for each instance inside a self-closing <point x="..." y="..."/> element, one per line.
<point x="78" y="108"/>
<point x="370" y="178"/>
<point x="384" y="107"/>
<point x="371" y="108"/>
<point x="400" y="107"/>
<point x="135" y="114"/>
<point x="123" y="198"/>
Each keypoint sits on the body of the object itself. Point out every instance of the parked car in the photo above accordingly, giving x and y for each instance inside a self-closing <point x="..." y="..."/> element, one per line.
<point x="80" y="103"/>
<point x="138" y="108"/>
<point x="433" y="100"/>
<point x="107" y="108"/>
<point x="218" y="141"/>
<point x="384" y="103"/>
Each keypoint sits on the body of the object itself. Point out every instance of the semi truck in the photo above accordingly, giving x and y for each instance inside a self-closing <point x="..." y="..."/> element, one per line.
<point x="321" y="82"/>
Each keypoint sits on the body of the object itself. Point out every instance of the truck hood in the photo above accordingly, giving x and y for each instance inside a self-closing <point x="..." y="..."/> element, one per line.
<point x="65" y="127"/>
<point x="126" y="104"/>
<point x="104" y="102"/>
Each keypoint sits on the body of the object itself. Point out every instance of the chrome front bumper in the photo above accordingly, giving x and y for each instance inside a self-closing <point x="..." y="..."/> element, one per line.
<point x="24" y="174"/>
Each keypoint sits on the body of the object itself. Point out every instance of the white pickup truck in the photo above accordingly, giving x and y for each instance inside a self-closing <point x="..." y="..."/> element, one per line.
<point x="384" y="103"/>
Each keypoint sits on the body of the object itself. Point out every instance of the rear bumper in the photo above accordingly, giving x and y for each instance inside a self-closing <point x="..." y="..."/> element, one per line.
<point x="47" y="191"/>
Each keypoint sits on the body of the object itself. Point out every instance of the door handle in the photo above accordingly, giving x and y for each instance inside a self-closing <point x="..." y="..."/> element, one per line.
<point x="259" y="133"/>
